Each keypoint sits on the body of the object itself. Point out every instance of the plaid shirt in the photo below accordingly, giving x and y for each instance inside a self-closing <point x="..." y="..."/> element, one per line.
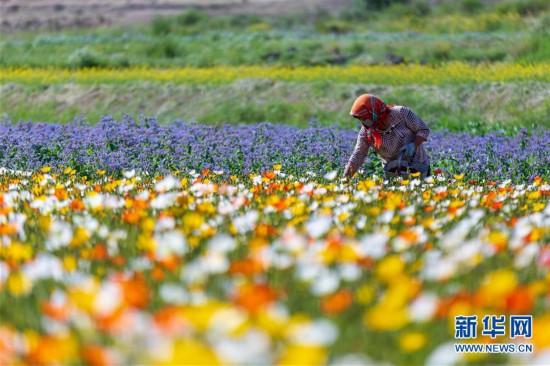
<point x="405" y="126"/>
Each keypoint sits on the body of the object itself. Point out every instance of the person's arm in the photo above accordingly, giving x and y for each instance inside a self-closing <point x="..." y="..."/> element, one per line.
<point x="359" y="153"/>
<point x="416" y="125"/>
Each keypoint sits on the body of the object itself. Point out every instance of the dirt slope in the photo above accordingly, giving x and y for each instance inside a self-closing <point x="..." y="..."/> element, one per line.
<point x="35" y="15"/>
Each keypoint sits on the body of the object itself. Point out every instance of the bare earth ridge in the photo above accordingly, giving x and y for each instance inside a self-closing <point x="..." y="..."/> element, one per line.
<point x="52" y="15"/>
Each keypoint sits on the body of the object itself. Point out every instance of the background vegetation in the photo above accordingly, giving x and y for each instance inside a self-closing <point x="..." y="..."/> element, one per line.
<point x="375" y="32"/>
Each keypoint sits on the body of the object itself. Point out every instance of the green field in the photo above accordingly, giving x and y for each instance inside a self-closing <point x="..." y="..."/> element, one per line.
<point x="458" y="107"/>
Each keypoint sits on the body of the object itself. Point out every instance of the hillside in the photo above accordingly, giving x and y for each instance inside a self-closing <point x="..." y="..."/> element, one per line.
<point x="29" y="15"/>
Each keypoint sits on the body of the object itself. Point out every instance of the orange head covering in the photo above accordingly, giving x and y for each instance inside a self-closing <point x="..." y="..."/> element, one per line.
<point x="369" y="106"/>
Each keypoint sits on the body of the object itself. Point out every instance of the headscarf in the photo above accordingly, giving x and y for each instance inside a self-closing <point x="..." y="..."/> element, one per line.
<point x="369" y="106"/>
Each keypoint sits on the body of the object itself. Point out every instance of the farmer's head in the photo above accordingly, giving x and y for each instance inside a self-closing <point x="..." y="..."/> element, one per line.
<point x="369" y="110"/>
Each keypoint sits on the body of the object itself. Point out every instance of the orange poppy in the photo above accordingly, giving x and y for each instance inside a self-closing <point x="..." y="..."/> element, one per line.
<point x="337" y="302"/>
<point x="520" y="301"/>
<point x="96" y="355"/>
<point x="246" y="267"/>
<point x="136" y="292"/>
<point x="255" y="297"/>
<point x="77" y="205"/>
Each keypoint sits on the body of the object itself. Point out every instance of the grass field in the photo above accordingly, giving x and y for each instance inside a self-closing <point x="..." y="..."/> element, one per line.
<point x="481" y="107"/>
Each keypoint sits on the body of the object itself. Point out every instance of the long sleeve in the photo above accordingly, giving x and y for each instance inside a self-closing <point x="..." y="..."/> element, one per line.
<point x="414" y="123"/>
<point x="359" y="153"/>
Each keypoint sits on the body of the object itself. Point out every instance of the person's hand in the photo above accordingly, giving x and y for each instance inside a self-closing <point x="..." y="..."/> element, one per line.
<point x="409" y="150"/>
<point x="347" y="173"/>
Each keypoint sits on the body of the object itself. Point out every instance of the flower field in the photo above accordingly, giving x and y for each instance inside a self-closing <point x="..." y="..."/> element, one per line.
<point x="448" y="73"/>
<point x="241" y="245"/>
<point x="216" y="227"/>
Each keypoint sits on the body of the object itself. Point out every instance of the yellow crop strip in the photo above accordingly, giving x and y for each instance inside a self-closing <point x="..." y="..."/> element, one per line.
<point x="456" y="72"/>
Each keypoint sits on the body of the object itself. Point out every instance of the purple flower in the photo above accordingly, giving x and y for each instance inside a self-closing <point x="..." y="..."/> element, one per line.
<point x="147" y="146"/>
